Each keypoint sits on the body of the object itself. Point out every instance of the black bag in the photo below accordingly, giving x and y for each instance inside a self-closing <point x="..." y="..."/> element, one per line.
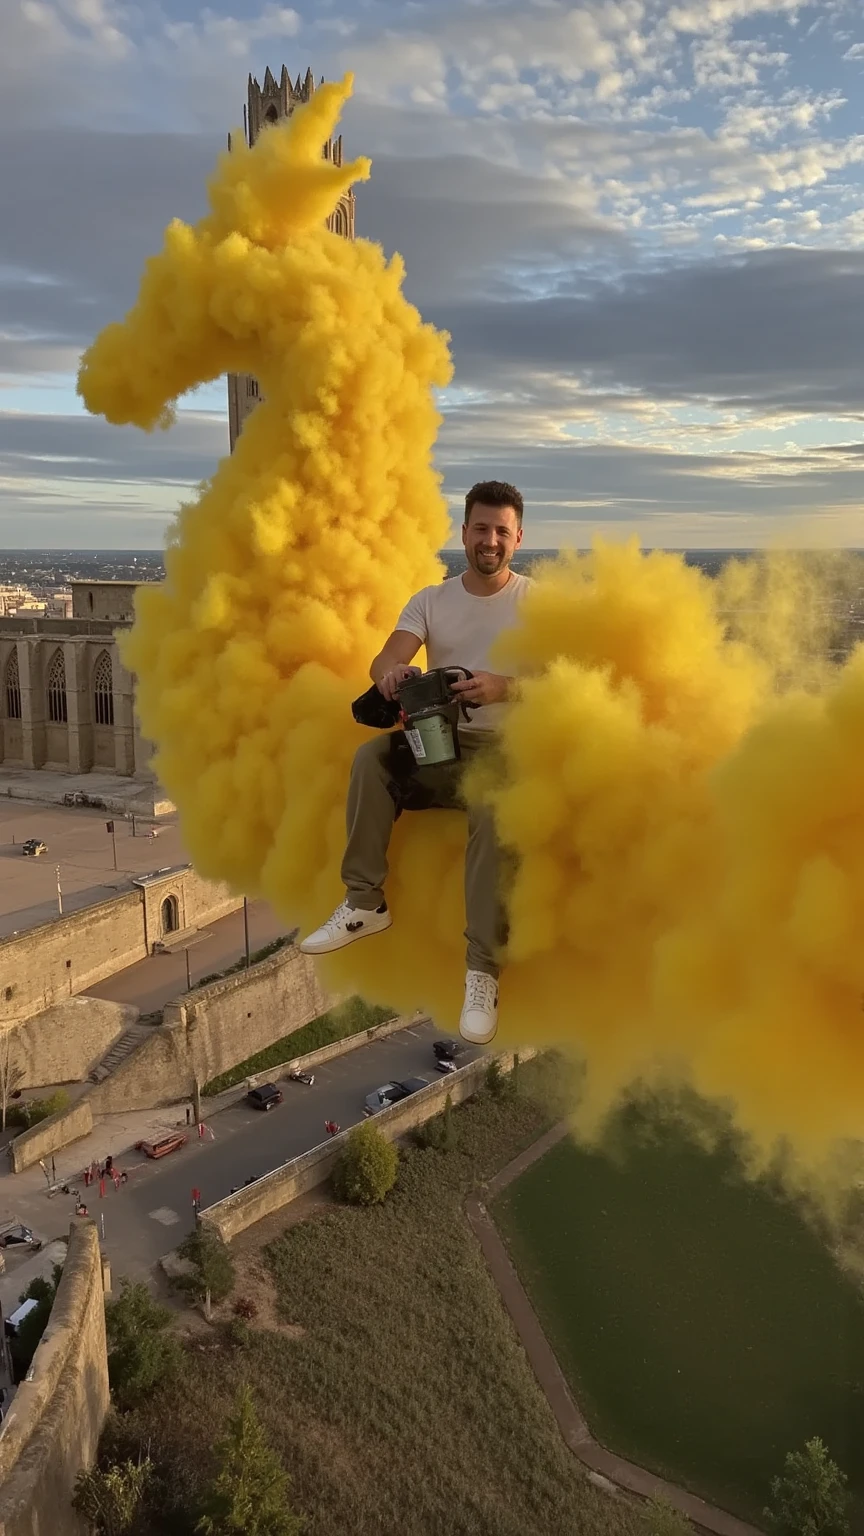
<point x="374" y="710"/>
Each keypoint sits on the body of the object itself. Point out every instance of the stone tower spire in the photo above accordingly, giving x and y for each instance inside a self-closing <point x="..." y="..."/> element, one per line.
<point x="269" y="104"/>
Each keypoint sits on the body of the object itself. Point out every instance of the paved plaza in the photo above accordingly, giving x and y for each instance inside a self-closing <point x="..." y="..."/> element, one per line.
<point x="77" y="841"/>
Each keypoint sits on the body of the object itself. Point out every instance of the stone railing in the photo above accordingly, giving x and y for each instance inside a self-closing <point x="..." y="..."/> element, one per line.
<point x="228" y="1217"/>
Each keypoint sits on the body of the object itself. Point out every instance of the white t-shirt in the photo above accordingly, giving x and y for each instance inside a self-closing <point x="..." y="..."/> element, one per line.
<point x="459" y="630"/>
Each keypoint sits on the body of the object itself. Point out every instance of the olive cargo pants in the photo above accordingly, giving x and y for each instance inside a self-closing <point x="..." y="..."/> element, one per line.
<point x="371" y="813"/>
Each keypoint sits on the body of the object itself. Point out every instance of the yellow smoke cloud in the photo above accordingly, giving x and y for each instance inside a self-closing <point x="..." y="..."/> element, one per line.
<point x="689" y="887"/>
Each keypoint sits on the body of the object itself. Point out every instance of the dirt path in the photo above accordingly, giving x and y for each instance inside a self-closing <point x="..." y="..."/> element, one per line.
<point x="624" y="1474"/>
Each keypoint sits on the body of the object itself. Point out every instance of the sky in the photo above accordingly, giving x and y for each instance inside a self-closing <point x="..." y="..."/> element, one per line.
<point x="641" y="222"/>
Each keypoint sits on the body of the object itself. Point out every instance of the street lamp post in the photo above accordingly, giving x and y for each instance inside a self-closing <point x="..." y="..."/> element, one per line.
<point x="188" y="973"/>
<point x="59" y="892"/>
<point x="246" y="928"/>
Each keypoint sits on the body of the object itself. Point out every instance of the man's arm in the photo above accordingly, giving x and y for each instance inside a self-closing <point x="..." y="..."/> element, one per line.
<point x="392" y="664"/>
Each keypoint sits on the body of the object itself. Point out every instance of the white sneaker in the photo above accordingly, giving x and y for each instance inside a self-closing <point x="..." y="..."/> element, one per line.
<point x="347" y="924"/>
<point x="479" y="1020"/>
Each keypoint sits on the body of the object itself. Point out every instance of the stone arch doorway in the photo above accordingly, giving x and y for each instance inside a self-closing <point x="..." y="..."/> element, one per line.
<point x="170" y="915"/>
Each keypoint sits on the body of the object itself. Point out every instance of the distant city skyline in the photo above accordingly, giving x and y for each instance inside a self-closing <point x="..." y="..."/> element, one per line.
<point x="640" y="223"/>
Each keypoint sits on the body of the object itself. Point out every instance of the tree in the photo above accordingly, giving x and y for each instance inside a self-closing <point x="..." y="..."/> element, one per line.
<point x="249" y="1495"/>
<point x="810" y="1499"/>
<point x="26" y="1339"/>
<point x="367" y="1168"/>
<point x="142" y="1354"/>
<point x="659" y="1517"/>
<point x="213" y="1266"/>
<point x="110" y="1499"/>
<point x="11" y="1074"/>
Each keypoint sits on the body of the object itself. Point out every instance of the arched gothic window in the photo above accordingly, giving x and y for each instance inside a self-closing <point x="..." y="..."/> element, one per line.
<point x="57" y="689"/>
<point x="103" y="690"/>
<point x="272" y="114"/>
<point x="13" y="687"/>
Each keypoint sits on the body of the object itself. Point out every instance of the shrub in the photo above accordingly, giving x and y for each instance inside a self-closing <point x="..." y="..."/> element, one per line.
<point x="212" y="1264"/>
<point x="659" y="1517"/>
<point x="244" y="1306"/>
<point x="142" y="1354"/>
<point x="237" y="1333"/>
<point x="367" y="1168"/>
<point x="810" y="1499"/>
<point x="498" y="1082"/>
<point x="109" y="1499"/>
<point x="32" y="1111"/>
<point x="441" y="1131"/>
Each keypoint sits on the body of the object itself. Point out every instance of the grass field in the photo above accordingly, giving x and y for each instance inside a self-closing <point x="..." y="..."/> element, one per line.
<point x="401" y="1402"/>
<point x="699" y="1317"/>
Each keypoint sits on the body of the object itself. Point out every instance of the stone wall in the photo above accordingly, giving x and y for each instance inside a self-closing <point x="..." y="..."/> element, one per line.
<point x="65" y="1043"/>
<point x="228" y="1217"/>
<point x="51" y="963"/>
<point x="50" y="1135"/>
<point x="213" y="1028"/>
<point x="53" y="1427"/>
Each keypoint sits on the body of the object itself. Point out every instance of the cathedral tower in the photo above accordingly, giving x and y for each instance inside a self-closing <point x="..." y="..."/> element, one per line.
<point x="269" y="104"/>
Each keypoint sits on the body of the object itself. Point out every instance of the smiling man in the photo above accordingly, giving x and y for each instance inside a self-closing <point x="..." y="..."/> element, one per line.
<point x="458" y="621"/>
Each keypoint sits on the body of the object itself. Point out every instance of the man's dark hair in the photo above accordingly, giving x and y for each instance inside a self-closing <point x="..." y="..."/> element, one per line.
<point x="494" y="493"/>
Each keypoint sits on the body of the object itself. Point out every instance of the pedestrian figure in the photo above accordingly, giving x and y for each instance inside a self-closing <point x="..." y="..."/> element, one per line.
<point x="101" y="1184"/>
<point x="196" y="1200"/>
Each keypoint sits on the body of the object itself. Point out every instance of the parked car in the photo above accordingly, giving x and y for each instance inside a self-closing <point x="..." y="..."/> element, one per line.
<point x="163" y="1146"/>
<point x="392" y="1093"/>
<point x="447" y="1053"/>
<point x="16" y="1235"/>
<point x="33" y="847"/>
<point x="266" y="1096"/>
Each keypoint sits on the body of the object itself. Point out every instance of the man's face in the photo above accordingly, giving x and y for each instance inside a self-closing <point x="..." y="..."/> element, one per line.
<point x="491" y="538"/>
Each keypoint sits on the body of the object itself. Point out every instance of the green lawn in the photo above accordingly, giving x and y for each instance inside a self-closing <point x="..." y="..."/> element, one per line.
<point x="699" y="1317"/>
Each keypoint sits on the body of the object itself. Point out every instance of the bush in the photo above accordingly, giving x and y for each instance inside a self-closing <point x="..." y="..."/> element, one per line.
<point x="32" y="1111"/>
<point x="498" y="1082"/>
<point x="367" y="1168"/>
<point x="237" y="1334"/>
<point x="245" y="1307"/>
<point x="212" y="1263"/>
<point x="440" y="1132"/>
<point x="659" y="1517"/>
<point x="109" y="1499"/>
<point x="810" y="1499"/>
<point x="142" y="1354"/>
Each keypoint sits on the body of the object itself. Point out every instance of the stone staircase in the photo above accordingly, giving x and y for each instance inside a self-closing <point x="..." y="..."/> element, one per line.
<point x="118" y="1052"/>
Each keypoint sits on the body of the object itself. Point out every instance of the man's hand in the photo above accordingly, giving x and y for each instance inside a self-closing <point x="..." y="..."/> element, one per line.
<point x="483" y="688"/>
<point x="391" y="680"/>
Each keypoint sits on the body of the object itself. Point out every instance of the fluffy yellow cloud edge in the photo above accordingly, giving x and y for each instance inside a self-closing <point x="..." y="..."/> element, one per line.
<point x="680" y="781"/>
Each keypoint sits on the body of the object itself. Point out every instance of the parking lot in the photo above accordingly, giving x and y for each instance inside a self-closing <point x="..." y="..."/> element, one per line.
<point x="77" y="841"/>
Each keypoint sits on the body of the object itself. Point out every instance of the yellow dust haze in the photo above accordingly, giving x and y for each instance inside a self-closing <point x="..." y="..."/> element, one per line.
<point x="680" y="780"/>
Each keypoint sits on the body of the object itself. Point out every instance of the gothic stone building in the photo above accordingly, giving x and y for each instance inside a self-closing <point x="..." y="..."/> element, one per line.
<point x="66" y="701"/>
<point x="269" y="104"/>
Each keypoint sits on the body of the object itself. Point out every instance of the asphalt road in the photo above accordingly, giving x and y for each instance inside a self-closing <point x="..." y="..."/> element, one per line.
<point x="152" y="1213"/>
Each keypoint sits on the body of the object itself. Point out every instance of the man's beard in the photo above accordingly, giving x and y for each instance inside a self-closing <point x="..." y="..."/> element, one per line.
<point x="489" y="565"/>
